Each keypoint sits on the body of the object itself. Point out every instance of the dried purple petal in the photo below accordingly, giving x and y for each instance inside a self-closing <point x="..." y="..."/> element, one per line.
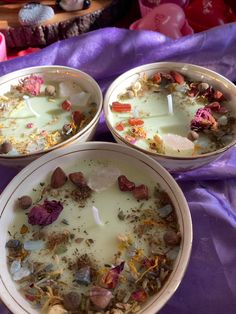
<point x="45" y="214"/>
<point x="203" y="119"/>
<point x="71" y="301"/>
<point x="110" y="279"/>
<point x="100" y="297"/>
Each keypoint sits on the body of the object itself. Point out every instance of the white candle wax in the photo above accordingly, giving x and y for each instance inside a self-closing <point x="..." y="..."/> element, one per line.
<point x="35" y="122"/>
<point x="87" y="236"/>
<point x="165" y="107"/>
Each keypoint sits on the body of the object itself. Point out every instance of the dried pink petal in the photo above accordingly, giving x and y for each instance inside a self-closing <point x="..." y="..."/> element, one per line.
<point x="216" y="107"/>
<point x="139" y="296"/>
<point x="45" y="214"/>
<point x="110" y="279"/>
<point x="203" y="119"/>
<point x="30" y="85"/>
<point x="100" y="297"/>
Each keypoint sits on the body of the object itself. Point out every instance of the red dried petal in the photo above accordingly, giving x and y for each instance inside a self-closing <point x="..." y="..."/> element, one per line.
<point x="218" y="95"/>
<point x="139" y="296"/>
<point x="157" y="78"/>
<point x="119" y="126"/>
<point x="110" y="279"/>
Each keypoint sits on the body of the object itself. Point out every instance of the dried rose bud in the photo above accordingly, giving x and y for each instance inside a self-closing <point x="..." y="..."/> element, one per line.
<point x="66" y="105"/>
<point x="71" y="301"/>
<point x="50" y="90"/>
<point x="6" y="147"/>
<point x="111" y="278"/>
<point x="171" y="238"/>
<point x="156" y="78"/>
<point x="177" y="77"/>
<point x="125" y="184"/>
<point x="58" y="178"/>
<point x="78" y="179"/>
<point x="25" y="201"/>
<point x="140" y="192"/>
<point x="45" y="214"/>
<point x="78" y="117"/>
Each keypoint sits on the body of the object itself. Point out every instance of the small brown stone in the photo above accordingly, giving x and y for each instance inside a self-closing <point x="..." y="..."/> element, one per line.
<point x="71" y="301"/>
<point x="171" y="238"/>
<point x="78" y="179"/>
<point x="58" y="178"/>
<point x="6" y="147"/>
<point x="25" y="201"/>
<point x="192" y="135"/>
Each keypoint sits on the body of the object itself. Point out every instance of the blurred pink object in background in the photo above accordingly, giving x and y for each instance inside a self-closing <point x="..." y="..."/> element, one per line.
<point x="3" y="49"/>
<point x="147" y="5"/>
<point x="168" y="19"/>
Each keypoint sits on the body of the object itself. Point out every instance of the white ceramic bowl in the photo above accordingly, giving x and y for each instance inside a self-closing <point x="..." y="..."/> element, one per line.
<point x="87" y="84"/>
<point x="198" y="73"/>
<point x="36" y="173"/>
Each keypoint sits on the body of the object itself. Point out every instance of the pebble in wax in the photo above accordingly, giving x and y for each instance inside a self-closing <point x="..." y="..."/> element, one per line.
<point x="106" y="250"/>
<point x="173" y="115"/>
<point x="38" y="112"/>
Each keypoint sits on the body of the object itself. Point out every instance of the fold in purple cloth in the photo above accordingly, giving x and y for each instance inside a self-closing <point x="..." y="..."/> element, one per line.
<point x="209" y="285"/>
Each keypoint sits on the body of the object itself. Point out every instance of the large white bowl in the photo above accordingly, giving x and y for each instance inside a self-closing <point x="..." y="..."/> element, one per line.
<point x="86" y="82"/>
<point x="36" y="173"/>
<point x="171" y="163"/>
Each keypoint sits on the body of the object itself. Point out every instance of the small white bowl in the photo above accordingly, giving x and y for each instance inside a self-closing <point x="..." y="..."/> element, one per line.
<point x="54" y="74"/>
<point x="198" y="73"/>
<point x="135" y="161"/>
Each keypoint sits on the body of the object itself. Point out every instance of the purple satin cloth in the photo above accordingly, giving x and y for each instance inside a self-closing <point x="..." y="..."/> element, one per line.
<point x="209" y="285"/>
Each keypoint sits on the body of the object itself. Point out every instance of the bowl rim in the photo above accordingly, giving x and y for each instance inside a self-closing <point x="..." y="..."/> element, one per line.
<point x="182" y="261"/>
<point x="152" y="66"/>
<point x="36" y="69"/>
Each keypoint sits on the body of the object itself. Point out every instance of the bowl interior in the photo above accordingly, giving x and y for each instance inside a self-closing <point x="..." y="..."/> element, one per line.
<point x="196" y="73"/>
<point x="54" y="75"/>
<point x="37" y="171"/>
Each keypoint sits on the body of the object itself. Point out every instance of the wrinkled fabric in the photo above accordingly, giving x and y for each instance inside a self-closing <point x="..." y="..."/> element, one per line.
<point x="209" y="285"/>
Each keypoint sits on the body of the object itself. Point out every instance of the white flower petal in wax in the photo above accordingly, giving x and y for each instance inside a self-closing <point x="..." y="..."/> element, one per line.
<point x="103" y="178"/>
<point x="81" y="99"/>
<point x="176" y="145"/>
<point x="68" y="88"/>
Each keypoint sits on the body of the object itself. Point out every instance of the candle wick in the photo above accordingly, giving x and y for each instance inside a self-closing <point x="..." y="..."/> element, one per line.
<point x="27" y="101"/>
<point x="96" y="216"/>
<point x="170" y="104"/>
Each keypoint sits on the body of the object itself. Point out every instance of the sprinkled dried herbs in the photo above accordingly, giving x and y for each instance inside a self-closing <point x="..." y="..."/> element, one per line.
<point x="55" y="264"/>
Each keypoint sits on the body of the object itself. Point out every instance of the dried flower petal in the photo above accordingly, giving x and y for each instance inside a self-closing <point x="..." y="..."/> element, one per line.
<point x="139" y="296"/>
<point x="110" y="279"/>
<point x="203" y="119"/>
<point x="216" y="107"/>
<point x="45" y="214"/>
<point x="30" y="85"/>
